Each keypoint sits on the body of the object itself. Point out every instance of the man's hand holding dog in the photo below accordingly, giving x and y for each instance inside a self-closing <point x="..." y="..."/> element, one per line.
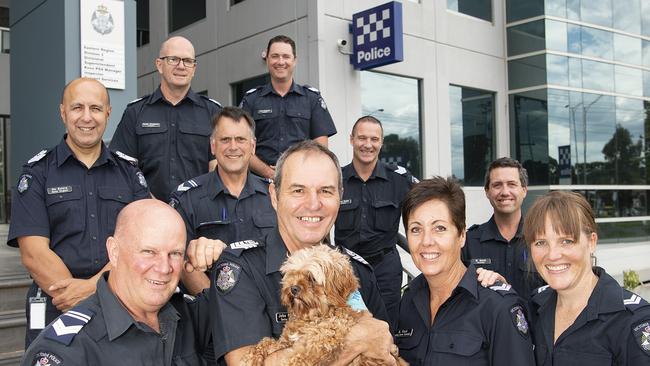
<point x="371" y="337"/>
<point x="202" y="253"/>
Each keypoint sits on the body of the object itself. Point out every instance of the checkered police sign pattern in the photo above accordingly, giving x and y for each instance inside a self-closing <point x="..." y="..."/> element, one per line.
<point x="377" y="36"/>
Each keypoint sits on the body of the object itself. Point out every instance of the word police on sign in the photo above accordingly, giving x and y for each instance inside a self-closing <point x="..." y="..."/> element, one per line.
<point x="377" y="36"/>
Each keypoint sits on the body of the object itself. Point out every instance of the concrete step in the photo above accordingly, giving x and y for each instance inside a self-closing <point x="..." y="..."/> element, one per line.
<point x="13" y="287"/>
<point x="11" y="358"/>
<point x="12" y="330"/>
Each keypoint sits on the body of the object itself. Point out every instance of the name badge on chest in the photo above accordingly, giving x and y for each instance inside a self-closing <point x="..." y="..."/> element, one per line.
<point x="481" y="261"/>
<point x="150" y="124"/>
<point x="404" y="333"/>
<point x="281" y="317"/>
<point x="59" y="190"/>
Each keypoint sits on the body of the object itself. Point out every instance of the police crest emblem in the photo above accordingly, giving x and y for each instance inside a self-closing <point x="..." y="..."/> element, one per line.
<point x="642" y="336"/>
<point x="227" y="276"/>
<point x="24" y="182"/>
<point x="46" y="359"/>
<point x="102" y="20"/>
<point x="519" y="320"/>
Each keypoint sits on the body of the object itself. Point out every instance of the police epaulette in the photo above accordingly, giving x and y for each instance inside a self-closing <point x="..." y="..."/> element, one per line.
<point x="244" y="244"/>
<point x="633" y="301"/>
<point x="68" y="325"/>
<point x="252" y="90"/>
<point x="312" y="89"/>
<point x="130" y="159"/>
<point x="501" y="288"/>
<point x="186" y="186"/>
<point x="135" y="101"/>
<point x="356" y="256"/>
<point x="211" y="100"/>
<point x="38" y="157"/>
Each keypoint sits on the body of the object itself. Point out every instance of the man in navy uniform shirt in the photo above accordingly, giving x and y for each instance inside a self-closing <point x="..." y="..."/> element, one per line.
<point x="136" y="317"/>
<point x="368" y="219"/>
<point x="228" y="204"/>
<point x="169" y="130"/>
<point x="498" y="244"/>
<point x="65" y="206"/>
<point x="285" y="112"/>
<point x="246" y="281"/>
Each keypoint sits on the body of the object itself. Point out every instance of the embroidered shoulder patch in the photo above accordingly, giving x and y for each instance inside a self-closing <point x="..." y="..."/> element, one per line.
<point x="24" y="182"/>
<point x="186" y="186"/>
<point x="66" y="327"/>
<point x="46" y="358"/>
<point x="227" y="276"/>
<point x="519" y="320"/>
<point x="642" y="336"/>
<point x="244" y="244"/>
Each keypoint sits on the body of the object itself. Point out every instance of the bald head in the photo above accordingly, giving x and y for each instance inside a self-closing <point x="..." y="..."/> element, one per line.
<point x="169" y="47"/>
<point x="69" y="87"/>
<point x="149" y="215"/>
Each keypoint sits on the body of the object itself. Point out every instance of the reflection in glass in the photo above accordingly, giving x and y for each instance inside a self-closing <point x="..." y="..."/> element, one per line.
<point x="518" y="9"/>
<point x="629" y="156"/>
<point x="574" y="38"/>
<point x="525" y="72"/>
<point x="399" y="97"/>
<point x="623" y="232"/>
<point x="472" y="133"/>
<point x="627" y="16"/>
<point x="529" y="125"/>
<point x="646" y="83"/>
<point x="628" y="80"/>
<point x="481" y="9"/>
<point x="525" y="38"/>
<point x="597" y="43"/>
<point x="573" y="9"/>
<point x="597" y="75"/>
<point x="617" y="203"/>
<point x="575" y="72"/>
<point x="556" y="36"/>
<point x="645" y="18"/>
<point x="556" y="8"/>
<point x="627" y="49"/>
<point x="596" y="12"/>
<point x="559" y="132"/>
<point x="558" y="70"/>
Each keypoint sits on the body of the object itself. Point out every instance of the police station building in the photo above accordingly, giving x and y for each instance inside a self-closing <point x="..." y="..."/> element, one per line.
<point x="562" y="86"/>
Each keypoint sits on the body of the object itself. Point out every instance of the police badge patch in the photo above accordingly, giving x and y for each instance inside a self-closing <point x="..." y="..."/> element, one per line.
<point x="227" y="276"/>
<point x="642" y="336"/>
<point x="141" y="180"/>
<point x="519" y="319"/>
<point x="44" y="358"/>
<point x="24" y="182"/>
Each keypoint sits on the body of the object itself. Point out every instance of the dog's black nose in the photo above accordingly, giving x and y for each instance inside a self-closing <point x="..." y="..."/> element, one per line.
<point x="295" y="290"/>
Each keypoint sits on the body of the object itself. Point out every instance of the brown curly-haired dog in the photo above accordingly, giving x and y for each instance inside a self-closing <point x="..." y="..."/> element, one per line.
<point x="316" y="285"/>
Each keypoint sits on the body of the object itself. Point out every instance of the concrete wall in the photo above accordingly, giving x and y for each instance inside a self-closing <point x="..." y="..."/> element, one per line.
<point x="5" y="70"/>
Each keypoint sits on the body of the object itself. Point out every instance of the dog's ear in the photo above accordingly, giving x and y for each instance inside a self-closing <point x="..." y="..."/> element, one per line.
<point x="341" y="281"/>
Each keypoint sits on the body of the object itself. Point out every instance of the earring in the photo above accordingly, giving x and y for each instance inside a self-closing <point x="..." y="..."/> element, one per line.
<point x="594" y="259"/>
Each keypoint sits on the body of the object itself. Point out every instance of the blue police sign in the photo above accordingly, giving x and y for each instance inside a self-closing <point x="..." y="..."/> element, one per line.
<point x="564" y="161"/>
<point x="377" y="37"/>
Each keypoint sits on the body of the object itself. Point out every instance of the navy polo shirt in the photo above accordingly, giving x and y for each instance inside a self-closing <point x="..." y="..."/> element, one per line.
<point x="72" y="205"/>
<point x="209" y="210"/>
<point x="475" y="326"/>
<point x="171" y="142"/>
<point x="251" y="308"/>
<point x="369" y="214"/>
<point x="485" y="247"/>
<point x="281" y="121"/>
<point x="613" y="329"/>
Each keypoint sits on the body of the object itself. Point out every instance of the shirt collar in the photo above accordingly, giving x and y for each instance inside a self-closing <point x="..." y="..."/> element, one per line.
<point x="607" y="296"/>
<point x="469" y="282"/>
<point x="295" y="88"/>
<point x="117" y="319"/>
<point x="63" y="153"/>
<point x="380" y="171"/>
<point x="253" y="184"/>
<point x="492" y="231"/>
<point x="157" y="96"/>
<point x="276" y="252"/>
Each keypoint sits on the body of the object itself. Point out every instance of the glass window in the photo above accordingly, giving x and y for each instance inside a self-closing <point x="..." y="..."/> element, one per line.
<point x="628" y="80"/>
<point x="481" y="9"/>
<point x="556" y="36"/>
<point x="573" y="9"/>
<point x="645" y="18"/>
<point x="142" y="22"/>
<point x="472" y="133"/>
<point x="574" y="38"/>
<point x="235" y="2"/>
<point x="395" y="101"/>
<point x="597" y="12"/>
<point x="4" y="17"/>
<point x="239" y="89"/>
<point x="575" y="72"/>
<point x="623" y="232"/>
<point x="599" y="128"/>
<point x="646" y="53"/>
<point x="556" y="8"/>
<point x="557" y="68"/>
<point x="529" y="127"/>
<point x="597" y="43"/>
<point x="5" y="46"/>
<point x="646" y="83"/>
<point x="627" y="15"/>
<point x="597" y="75"/>
<point x="525" y="38"/>
<point x="627" y="49"/>
<point x="185" y="12"/>
<point x="559" y="134"/>
<point x="526" y="72"/>
<point x="519" y="9"/>
<point x="626" y="150"/>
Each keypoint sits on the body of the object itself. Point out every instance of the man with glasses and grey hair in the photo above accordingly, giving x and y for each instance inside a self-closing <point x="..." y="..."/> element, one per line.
<point x="168" y="132"/>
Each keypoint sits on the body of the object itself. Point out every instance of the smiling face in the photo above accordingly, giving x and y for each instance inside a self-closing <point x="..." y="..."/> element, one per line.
<point x="281" y="61"/>
<point x="433" y="239"/>
<point x="85" y="111"/>
<point x="308" y="199"/>
<point x="233" y="144"/>
<point x="505" y="192"/>
<point x="179" y="76"/>
<point x="562" y="260"/>
<point x="366" y="141"/>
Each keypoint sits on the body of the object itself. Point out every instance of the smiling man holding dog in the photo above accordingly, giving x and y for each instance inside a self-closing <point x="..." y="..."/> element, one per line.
<point x="246" y="280"/>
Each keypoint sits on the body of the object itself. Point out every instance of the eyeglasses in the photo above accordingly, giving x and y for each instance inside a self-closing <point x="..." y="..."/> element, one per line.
<point x="174" y="61"/>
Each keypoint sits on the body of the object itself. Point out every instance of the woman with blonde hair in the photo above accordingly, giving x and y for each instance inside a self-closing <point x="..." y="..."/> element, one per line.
<point x="583" y="316"/>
